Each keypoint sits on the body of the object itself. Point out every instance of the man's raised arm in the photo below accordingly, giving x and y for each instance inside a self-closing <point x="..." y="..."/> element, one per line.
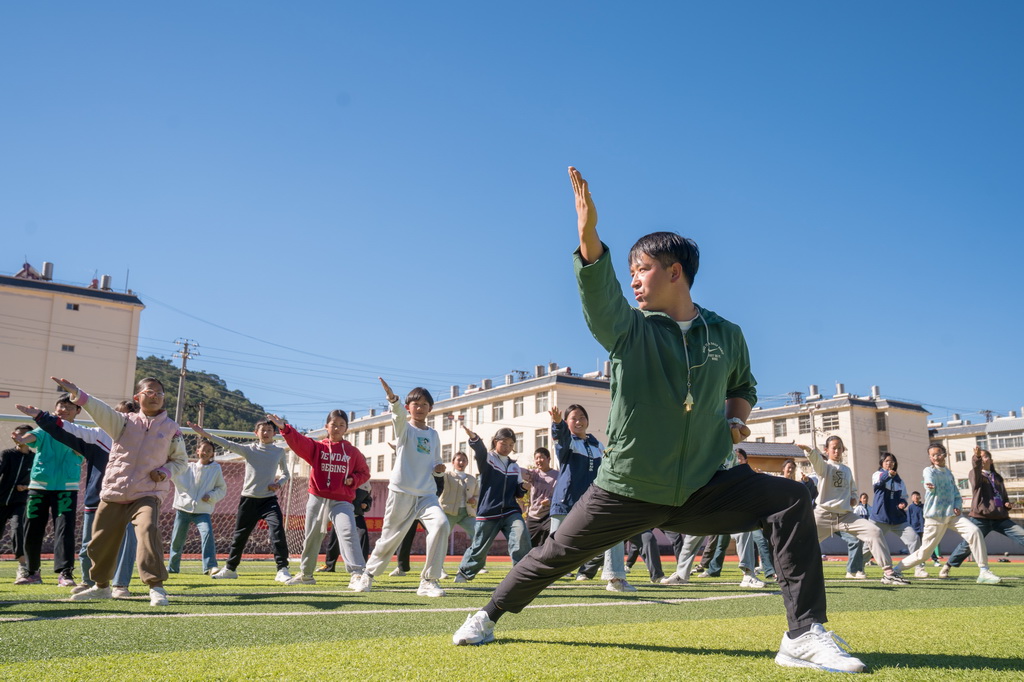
<point x="586" y="218"/>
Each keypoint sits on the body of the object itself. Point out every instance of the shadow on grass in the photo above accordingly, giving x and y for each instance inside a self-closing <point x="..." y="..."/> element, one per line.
<point x="875" y="661"/>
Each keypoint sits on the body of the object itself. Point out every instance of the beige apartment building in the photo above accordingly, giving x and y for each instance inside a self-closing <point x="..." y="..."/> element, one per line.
<point x="520" y="403"/>
<point x="86" y="333"/>
<point x="1003" y="437"/>
<point x="869" y="425"/>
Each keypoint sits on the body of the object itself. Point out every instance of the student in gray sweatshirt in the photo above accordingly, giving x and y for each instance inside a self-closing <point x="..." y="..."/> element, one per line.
<point x="266" y="469"/>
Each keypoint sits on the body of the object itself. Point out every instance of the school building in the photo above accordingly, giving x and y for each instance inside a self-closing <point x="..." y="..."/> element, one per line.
<point x="86" y="333"/>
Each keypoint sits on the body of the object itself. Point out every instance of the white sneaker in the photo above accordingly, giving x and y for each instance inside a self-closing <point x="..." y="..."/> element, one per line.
<point x="93" y="592"/>
<point x="675" y="579"/>
<point x="919" y="572"/>
<point x="397" y="573"/>
<point x="752" y="581"/>
<point x="444" y="576"/>
<point x="82" y="587"/>
<point x="429" y="588"/>
<point x="860" y="575"/>
<point x="157" y="596"/>
<point x="364" y="584"/>
<point x="619" y="585"/>
<point x="283" y="575"/>
<point x="894" y="579"/>
<point x="120" y="592"/>
<point x="704" y="574"/>
<point x="300" y="580"/>
<point x="582" y="577"/>
<point x="478" y="629"/>
<point x="819" y="649"/>
<point x="460" y="578"/>
<point x="224" y="573"/>
<point x="944" y="571"/>
<point x="354" y="580"/>
<point x="482" y="570"/>
<point x="987" y="577"/>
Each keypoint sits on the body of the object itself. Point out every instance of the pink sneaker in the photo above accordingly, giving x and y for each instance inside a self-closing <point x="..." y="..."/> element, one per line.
<point x="66" y="580"/>
<point x="29" y="579"/>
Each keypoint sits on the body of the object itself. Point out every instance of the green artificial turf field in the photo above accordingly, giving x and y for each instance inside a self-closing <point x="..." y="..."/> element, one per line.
<point x="254" y="628"/>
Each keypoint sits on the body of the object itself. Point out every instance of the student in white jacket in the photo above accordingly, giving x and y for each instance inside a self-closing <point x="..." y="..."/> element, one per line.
<point x="834" y="513"/>
<point x="196" y="491"/>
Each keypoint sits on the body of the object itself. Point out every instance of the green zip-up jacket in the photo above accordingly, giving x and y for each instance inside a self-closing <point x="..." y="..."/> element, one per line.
<point x="56" y="466"/>
<point x="657" y="450"/>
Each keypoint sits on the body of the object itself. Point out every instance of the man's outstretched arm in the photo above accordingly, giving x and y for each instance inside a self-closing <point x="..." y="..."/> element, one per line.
<point x="586" y="218"/>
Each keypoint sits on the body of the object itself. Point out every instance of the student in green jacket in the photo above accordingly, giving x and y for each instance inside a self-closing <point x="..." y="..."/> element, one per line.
<point x="681" y="389"/>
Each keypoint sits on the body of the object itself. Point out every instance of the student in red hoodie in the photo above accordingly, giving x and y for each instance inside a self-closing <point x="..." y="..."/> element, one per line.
<point x="337" y="468"/>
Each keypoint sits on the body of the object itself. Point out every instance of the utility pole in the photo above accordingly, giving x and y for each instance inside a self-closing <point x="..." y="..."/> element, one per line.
<point x="202" y="413"/>
<point x="187" y="352"/>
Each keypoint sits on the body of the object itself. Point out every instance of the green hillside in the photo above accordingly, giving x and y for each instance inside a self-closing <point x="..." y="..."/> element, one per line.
<point x="224" y="408"/>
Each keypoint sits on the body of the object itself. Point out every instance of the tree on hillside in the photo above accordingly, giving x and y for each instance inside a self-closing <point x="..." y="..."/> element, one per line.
<point x="223" y="408"/>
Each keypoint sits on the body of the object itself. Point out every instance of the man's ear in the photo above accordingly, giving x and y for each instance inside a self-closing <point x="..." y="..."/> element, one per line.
<point x="676" y="271"/>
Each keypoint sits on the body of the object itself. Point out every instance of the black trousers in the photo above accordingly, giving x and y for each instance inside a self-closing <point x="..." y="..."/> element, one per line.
<point x="61" y="505"/>
<point x="250" y="511"/>
<point x="539" y="529"/>
<point x="733" y="501"/>
<point x="16" y="514"/>
<point x="405" y="549"/>
<point x="645" y="545"/>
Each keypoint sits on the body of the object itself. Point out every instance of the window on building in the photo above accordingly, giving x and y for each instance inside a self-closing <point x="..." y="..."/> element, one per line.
<point x="882" y="449"/>
<point x="803" y="423"/>
<point x="394" y="458"/>
<point x="963" y="484"/>
<point x="497" y="412"/>
<point x="541" y="438"/>
<point x="380" y="435"/>
<point x="880" y="421"/>
<point x="67" y="348"/>
<point x="540" y="402"/>
<point x="1011" y="470"/>
<point x="464" y="415"/>
<point x="830" y="421"/>
<point x="430" y="422"/>
<point x="960" y="456"/>
<point x="462" y="446"/>
<point x="479" y="414"/>
<point x="72" y="306"/>
<point x="446" y="421"/>
<point x="380" y="463"/>
<point x="759" y="439"/>
<point x="779" y="427"/>
<point x="368" y="438"/>
<point x="997" y="441"/>
<point x="446" y="453"/>
<point x="517" y="406"/>
<point x="519" y="442"/>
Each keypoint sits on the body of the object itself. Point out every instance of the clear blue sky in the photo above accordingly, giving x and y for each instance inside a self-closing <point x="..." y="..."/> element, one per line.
<point x="319" y="193"/>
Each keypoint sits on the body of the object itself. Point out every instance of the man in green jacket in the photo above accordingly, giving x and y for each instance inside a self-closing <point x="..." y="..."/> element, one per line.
<point x="681" y="389"/>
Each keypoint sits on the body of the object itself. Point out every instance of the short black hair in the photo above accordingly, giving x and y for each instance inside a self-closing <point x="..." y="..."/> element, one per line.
<point x="574" y="406"/>
<point x="502" y="434"/>
<point x="668" y="248"/>
<point x="274" y="426"/>
<point x="543" y="451"/>
<point x="420" y="393"/>
<point x="916" y="492"/>
<point x="65" y="398"/>
<point x="895" y="462"/>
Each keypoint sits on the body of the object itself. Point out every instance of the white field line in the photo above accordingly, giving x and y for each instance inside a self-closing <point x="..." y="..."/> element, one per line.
<point x="367" y="612"/>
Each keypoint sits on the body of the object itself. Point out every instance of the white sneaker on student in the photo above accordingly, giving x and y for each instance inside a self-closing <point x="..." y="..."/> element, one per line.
<point x="94" y="592"/>
<point x="444" y="576"/>
<point x="987" y="577"/>
<point x="283" y="575"/>
<point x="478" y="629"/>
<point x="157" y="596"/>
<point x="919" y="572"/>
<point x="430" y="588"/>
<point x="675" y="579"/>
<point x="460" y="578"/>
<point x="944" y="571"/>
<point x="224" y="573"/>
<point x="354" y="580"/>
<point x="860" y="575"/>
<point x="301" y="580"/>
<point x="619" y="585"/>
<point x="582" y="577"/>
<point x="894" y="578"/>
<point x="752" y="581"/>
<point x="819" y="649"/>
<point x="364" y="584"/>
<point x="397" y="573"/>
<point x="119" y="592"/>
<point x="82" y="587"/>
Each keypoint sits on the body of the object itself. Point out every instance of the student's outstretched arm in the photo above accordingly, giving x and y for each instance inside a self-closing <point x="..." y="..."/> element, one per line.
<point x="399" y="419"/>
<point x="105" y="416"/>
<point x="89" y="443"/>
<point x="302" y="445"/>
<point x="815" y="458"/>
<point x="586" y="218"/>
<point x="228" y="445"/>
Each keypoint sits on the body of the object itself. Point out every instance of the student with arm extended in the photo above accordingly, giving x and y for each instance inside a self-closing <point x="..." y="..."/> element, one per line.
<point x="147" y="450"/>
<point x="266" y="470"/>
<point x="412" y="491"/>
<point x="336" y="469"/>
<point x="681" y="389"/>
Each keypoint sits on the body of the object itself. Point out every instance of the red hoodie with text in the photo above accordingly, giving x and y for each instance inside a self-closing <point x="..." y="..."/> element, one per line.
<point x="330" y="464"/>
